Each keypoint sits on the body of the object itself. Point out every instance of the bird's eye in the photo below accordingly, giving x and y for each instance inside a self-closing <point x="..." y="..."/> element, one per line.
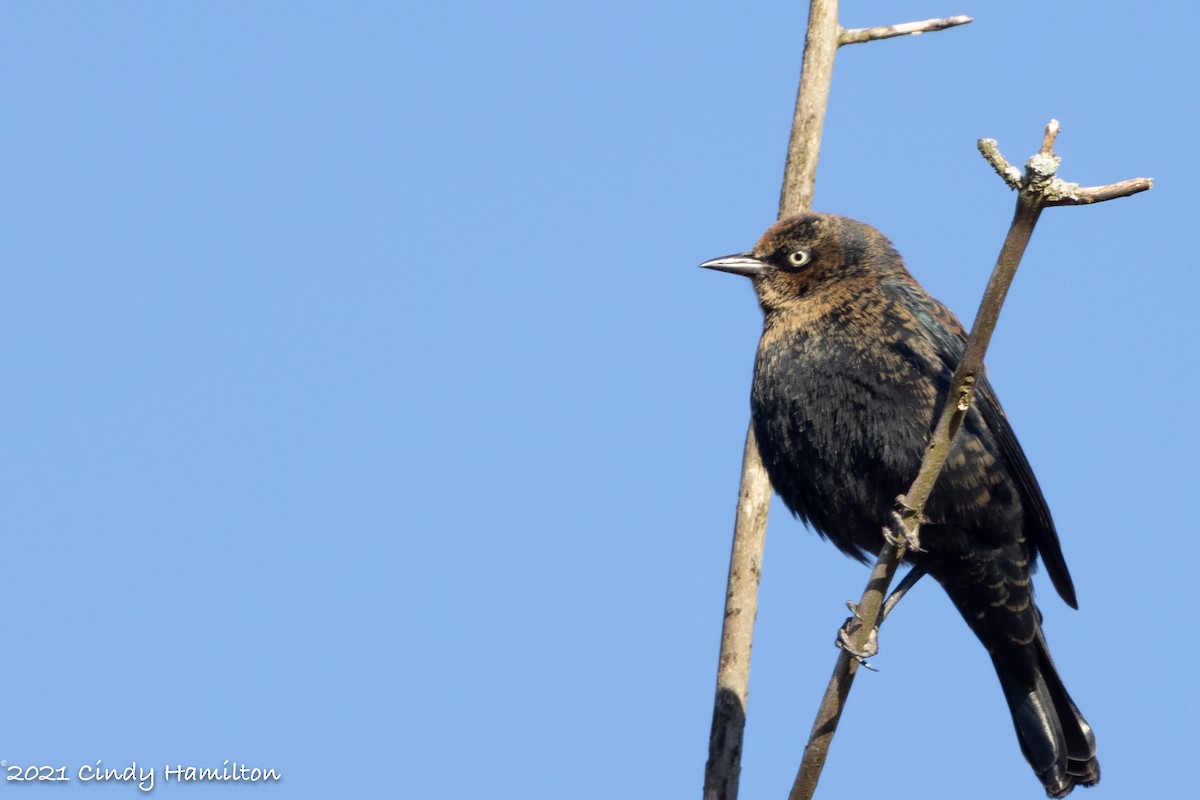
<point x="798" y="258"/>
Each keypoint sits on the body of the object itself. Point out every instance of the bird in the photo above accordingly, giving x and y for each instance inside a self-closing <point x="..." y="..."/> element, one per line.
<point x="854" y="362"/>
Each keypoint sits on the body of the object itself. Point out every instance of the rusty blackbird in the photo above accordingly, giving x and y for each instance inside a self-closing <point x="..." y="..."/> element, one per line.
<point x="854" y="362"/>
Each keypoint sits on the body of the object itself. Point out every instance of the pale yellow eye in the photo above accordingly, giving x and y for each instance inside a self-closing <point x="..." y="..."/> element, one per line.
<point x="798" y="258"/>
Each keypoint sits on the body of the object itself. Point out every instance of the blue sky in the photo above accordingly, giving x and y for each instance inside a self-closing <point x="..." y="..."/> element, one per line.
<point x="366" y="417"/>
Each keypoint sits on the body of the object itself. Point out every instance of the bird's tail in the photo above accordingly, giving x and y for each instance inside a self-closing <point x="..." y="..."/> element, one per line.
<point x="1055" y="738"/>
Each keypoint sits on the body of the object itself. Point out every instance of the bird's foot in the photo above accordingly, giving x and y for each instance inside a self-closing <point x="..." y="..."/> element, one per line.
<point x="898" y="532"/>
<point x="849" y="632"/>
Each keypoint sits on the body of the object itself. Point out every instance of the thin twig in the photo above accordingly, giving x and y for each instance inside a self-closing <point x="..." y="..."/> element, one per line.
<point x="723" y="768"/>
<point x="724" y="765"/>
<point x="1039" y="188"/>
<point x="816" y="75"/>
<point x="844" y="670"/>
<point x="860" y="35"/>
<point x="1084" y="195"/>
<point x="991" y="153"/>
<point x="1048" y="137"/>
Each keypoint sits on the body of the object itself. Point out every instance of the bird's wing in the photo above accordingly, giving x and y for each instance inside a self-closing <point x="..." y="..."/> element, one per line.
<point x="950" y="338"/>
<point x="1040" y="526"/>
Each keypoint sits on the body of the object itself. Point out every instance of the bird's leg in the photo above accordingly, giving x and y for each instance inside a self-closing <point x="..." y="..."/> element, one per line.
<point x="846" y="634"/>
<point x="907" y="582"/>
<point x="902" y="526"/>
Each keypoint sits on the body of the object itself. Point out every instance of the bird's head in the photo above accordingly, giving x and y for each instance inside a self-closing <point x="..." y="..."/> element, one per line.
<point x="800" y="256"/>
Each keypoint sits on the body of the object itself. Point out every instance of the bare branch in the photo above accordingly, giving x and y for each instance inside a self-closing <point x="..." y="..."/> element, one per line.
<point x="859" y="35"/>
<point x="724" y="765"/>
<point x="954" y="411"/>
<point x="808" y="120"/>
<point x="1048" y="137"/>
<point x="1083" y="195"/>
<point x="1010" y="174"/>
<point x="741" y="601"/>
<point x="723" y="768"/>
<point x="1040" y="187"/>
<point x="838" y="690"/>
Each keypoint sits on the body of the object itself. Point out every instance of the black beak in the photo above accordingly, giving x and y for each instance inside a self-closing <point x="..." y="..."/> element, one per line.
<point x="740" y="264"/>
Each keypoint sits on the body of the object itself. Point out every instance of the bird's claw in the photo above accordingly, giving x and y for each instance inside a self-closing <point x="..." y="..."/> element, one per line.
<point x="897" y="532"/>
<point x="846" y="636"/>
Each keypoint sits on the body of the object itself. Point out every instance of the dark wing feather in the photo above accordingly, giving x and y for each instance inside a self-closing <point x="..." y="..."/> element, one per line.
<point x="1039" y="525"/>
<point x="950" y="338"/>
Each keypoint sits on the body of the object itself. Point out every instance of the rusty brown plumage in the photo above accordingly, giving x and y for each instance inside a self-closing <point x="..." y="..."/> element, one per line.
<point x="854" y="360"/>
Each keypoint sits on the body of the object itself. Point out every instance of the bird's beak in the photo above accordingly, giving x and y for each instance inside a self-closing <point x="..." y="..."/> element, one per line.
<point x="740" y="264"/>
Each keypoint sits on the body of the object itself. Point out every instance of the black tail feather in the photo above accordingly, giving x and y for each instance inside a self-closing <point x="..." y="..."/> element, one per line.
<point x="1055" y="738"/>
